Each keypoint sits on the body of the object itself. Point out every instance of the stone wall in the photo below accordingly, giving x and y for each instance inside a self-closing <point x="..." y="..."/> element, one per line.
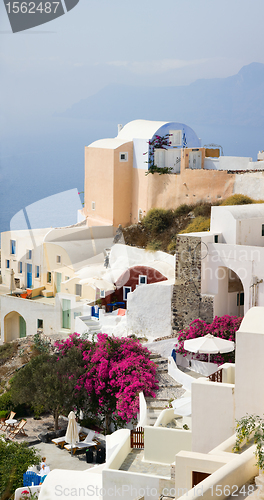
<point x="187" y="301"/>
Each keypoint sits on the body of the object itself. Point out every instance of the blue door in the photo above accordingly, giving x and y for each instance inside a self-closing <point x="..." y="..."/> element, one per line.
<point x="29" y="275"/>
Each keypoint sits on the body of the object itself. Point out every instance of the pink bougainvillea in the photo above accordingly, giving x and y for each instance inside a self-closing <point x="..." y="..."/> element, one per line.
<point x="115" y="371"/>
<point x="224" y="327"/>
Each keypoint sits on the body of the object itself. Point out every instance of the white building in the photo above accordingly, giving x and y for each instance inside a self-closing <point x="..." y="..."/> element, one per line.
<point x="202" y="461"/>
<point x="228" y="261"/>
<point x="45" y="262"/>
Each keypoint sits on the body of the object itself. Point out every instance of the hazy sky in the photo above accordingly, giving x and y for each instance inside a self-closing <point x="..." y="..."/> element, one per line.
<point x="48" y="68"/>
<point x="43" y="71"/>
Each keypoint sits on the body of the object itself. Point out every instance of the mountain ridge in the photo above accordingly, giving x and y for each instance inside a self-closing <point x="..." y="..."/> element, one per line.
<point x="237" y="100"/>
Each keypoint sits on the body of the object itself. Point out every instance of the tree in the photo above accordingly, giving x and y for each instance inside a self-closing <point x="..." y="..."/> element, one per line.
<point x="116" y="371"/>
<point x="15" y="458"/>
<point x="49" y="381"/>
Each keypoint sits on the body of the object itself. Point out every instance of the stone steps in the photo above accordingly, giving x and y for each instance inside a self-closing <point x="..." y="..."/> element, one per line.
<point x="168" y="389"/>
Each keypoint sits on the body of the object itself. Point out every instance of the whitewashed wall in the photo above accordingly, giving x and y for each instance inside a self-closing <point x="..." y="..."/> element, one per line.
<point x="161" y="444"/>
<point x="213" y="405"/>
<point x="149" y="310"/>
<point x="249" y="364"/>
<point x="232" y="163"/>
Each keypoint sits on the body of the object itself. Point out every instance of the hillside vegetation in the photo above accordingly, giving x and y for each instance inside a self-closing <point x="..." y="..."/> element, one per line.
<point x="159" y="228"/>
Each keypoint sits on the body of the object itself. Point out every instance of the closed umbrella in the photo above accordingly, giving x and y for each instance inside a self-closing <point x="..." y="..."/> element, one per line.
<point x="209" y="344"/>
<point x="72" y="435"/>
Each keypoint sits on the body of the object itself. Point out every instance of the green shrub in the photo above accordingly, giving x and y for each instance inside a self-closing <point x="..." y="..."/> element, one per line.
<point x="15" y="458"/>
<point x="38" y="410"/>
<point x="197" y="225"/>
<point x="157" y="220"/>
<point x="6" y="402"/>
<point x="204" y="210"/>
<point x="154" y="246"/>
<point x="3" y="414"/>
<point x="182" y="210"/>
<point x="41" y="344"/>
<point x="237" y="199"/>
<point x="171" y="248"/>
<point x="7" y="351"/>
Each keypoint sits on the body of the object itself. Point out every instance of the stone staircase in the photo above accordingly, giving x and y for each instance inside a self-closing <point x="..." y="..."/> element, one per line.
<point x="93" y="326"/>
<point x="168" y="389"/>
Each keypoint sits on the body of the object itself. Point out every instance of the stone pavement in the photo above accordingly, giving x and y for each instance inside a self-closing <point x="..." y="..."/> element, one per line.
<point x="134" y="463"/>
<point x="58" y="458"/>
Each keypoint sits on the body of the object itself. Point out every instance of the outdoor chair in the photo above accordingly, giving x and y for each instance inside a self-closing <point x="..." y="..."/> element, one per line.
<point x="30" y="477"/>
<point x="19" y="429"/>
<point x="82" y="445"/>
<point x="3" y="425"/>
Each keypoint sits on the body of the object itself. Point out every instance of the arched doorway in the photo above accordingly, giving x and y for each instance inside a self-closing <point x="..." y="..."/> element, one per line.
<point x="230" y="298"/>
<point x="14" y="326"/>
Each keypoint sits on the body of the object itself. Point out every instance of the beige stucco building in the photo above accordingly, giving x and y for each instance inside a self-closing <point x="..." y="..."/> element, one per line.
<point x="118" y="191"/>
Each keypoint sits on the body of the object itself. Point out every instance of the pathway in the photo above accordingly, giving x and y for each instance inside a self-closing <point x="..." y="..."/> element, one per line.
<point x="169" y="389"/>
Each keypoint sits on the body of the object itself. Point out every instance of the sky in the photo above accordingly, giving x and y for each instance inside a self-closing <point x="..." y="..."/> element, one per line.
<point x="45" y="70"/>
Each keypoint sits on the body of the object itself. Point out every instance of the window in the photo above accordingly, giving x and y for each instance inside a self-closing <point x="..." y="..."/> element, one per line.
<point x="123" y="156"/>
<point x="12" y="247"/>
<point x="67" y="278"/>
<point x="240" y="299"/>
<point x="102" y="294"/>
<point x="175" y="137"/>
<point x="216" y="238"/>
<point x="48" y="277"/>
<point x="20" y="267"/>
<point x="7" y="263"/>
<point x="262" y="230"/>
<point x="142" y="279"/>
<point x="40" y="324"/>
<point x="93" y="205"/>
<point x="29" y="254"/>
<point x="37" y="272"/>
<point x="78" y="289"/>
<point x="126" y="291"/>
<point x="58" y="259"/>
<point x="159" y="157"/>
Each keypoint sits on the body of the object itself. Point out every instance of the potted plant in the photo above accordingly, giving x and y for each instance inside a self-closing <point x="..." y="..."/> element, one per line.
<point x="28" y="495"/>
<point x="251" y="427"/>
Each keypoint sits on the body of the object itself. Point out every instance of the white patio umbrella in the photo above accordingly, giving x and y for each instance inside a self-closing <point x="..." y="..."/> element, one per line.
<point x="209" y="344"/>
<point x="99" y="283"/>
<point x="72" y="435"/>
<point x="182" y="407"/>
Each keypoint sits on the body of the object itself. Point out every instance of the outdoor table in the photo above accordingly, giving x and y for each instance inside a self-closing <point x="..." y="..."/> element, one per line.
<point x="11" y="422"/>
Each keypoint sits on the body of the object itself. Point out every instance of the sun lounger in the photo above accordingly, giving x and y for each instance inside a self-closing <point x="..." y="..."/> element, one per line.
<point x="19" y="429"/>
<point x="60" y="441"/>
<point x="89" y="441"/>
